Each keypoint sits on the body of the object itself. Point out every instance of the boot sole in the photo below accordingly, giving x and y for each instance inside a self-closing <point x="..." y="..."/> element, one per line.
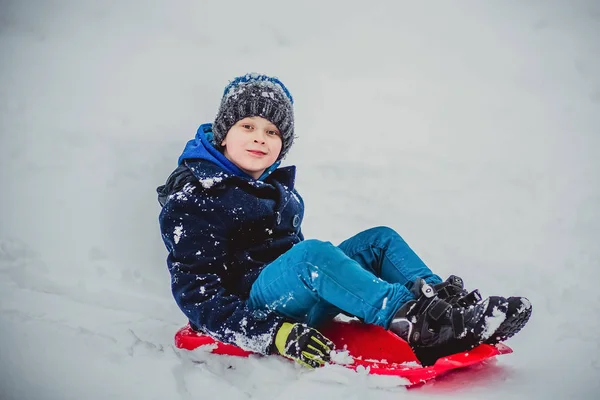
<point x="511" y="326"/>
<point x="427" y="356"/>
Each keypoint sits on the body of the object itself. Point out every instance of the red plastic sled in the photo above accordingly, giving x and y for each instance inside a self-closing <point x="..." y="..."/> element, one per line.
<point x="383" y="354"/>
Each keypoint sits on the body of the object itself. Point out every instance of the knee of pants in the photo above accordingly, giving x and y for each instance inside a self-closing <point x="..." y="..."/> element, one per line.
<point x="316" y="254"/>
<point x="313" y="246"/>
<point x="385" y="232"/>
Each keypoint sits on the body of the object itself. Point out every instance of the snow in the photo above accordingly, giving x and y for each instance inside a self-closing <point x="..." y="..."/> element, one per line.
<point x="268" y="94"/>
<point x="207" y="183"/>
<point x="469" y="127"/>
<point x="182" y="195"/>
<point x="525" y="305"/>
<point x="257" y="344"/>
<point x="492" y="322"/>
<point x="234" y="91"/>
<point x="177" y="233"/>
<point x="341" y="357"/>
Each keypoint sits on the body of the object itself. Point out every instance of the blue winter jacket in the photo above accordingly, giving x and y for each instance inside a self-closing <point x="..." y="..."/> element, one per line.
<point x="221" y="228"/>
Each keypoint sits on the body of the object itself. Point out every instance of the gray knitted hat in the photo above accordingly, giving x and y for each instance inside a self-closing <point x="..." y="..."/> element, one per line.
<point x="254" y="95"/>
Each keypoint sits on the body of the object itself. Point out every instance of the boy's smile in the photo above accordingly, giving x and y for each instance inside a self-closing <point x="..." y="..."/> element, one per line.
<point x="257" y="153"/>
<point x="253" y="144"/>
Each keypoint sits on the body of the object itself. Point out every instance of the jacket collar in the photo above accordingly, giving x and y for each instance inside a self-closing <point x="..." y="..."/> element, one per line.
<point x="212" y="175"/>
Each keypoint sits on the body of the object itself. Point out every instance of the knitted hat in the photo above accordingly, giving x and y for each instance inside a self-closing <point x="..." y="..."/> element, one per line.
<point x="254" y="95"/>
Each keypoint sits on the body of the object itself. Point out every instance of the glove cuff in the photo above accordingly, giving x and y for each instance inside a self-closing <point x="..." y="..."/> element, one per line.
<point x="281" y="337"/>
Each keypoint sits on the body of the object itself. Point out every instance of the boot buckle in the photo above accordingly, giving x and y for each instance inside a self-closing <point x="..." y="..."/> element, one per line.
<point x="468" y="300"/>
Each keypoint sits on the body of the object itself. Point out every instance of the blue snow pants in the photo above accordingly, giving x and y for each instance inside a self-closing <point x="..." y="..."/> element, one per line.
<point x="367" y="276"/>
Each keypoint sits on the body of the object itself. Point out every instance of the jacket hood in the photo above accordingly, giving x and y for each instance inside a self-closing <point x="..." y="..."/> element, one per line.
<point x="201" y="148"/>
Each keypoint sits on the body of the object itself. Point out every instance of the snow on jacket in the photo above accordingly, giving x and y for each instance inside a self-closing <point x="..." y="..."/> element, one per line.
<point x="221" y="228"/>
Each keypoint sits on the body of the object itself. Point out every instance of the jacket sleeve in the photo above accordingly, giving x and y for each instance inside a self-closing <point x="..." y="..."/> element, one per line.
<point x="196" y="238"/>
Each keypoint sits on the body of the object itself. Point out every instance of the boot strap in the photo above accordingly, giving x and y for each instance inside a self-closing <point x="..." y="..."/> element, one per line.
<point x="458" y="322"/>
<point x="446" y="290"/>
<point x="470" y="299"/>
<point x="438" y="309"/>
<point x="450" y="287"/>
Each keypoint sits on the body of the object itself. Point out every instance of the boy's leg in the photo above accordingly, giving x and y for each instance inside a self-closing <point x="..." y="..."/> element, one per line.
<point x="382" y="251"/>
<point x="314" y="280"/>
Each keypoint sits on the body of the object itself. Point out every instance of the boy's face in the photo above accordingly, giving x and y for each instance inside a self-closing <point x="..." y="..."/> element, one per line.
<point x="253" y="144"/>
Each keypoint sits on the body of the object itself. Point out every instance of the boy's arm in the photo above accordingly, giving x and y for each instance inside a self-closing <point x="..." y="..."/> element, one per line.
<point x="197" y="248"/>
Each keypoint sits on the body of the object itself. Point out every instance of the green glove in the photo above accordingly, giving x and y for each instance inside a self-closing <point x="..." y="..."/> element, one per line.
<point x="303" y="344"/>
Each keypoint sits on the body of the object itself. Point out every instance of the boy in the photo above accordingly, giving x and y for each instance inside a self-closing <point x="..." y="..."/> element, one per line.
<point x="243" y="273"/>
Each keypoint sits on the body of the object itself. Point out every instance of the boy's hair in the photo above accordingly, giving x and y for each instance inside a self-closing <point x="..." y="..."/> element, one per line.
<point x="255" y="95"/>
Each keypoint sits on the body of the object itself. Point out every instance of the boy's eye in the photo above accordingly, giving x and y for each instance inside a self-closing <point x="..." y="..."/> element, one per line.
<point x="247" y="126"/>
<point x="273" y="133"/>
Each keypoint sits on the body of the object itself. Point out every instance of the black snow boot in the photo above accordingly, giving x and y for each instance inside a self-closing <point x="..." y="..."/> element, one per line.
<point x="434" y="328"/>
<point x="518" y="311"/>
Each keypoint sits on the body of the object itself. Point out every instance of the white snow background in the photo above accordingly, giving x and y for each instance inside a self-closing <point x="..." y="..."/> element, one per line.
<point x="471" y="127"/>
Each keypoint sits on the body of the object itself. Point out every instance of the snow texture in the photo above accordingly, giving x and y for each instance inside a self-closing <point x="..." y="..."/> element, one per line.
<point x="177" y="233"/>
<point x="525" y="305"/>
<point x="492" y="322"/>
<point x="472" y="128"/>
<point x="207" y="183"/>
<point x="341" y="357"/>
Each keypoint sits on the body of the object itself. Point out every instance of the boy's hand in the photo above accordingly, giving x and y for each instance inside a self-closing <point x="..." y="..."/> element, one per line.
<point x="303" y="344"/>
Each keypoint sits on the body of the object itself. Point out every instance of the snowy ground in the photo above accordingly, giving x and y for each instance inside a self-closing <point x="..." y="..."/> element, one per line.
<point x="473" y="128"/>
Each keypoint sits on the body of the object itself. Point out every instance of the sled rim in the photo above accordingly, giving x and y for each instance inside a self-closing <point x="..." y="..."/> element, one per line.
<point x="412" y="371"/>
